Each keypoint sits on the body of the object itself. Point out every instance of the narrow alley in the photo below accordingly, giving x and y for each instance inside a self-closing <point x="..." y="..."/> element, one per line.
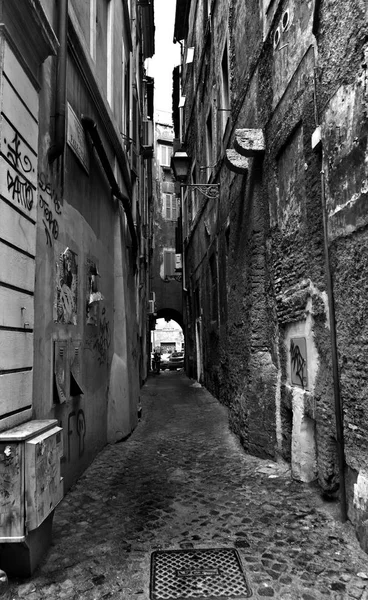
<point x="181" y="481"/>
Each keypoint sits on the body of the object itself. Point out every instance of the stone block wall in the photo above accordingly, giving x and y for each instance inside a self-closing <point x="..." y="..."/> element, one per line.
<point x="294" y="68"/>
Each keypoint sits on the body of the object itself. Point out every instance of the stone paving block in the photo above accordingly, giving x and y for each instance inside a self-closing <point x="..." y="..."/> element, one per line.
<point x="182" y="478"/>
<point x="25" y="589"/>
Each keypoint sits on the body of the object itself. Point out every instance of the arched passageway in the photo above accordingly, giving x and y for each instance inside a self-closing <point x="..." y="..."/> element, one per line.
<point x="168" y="340"/>
<point x="171" y="314"/>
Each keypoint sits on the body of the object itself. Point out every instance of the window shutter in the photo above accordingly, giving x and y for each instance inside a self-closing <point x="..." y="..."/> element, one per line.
<point x="173" y="208"/>
<point x="172" y="263"/>
<point x="168" y="206"/>
<point x="169" y="263"/>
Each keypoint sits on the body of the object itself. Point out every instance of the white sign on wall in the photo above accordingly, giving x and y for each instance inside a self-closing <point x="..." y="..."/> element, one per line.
<point x="76" y="138"/>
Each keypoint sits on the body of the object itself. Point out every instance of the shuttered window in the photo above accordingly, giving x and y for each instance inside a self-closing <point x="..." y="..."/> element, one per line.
<point x="165" y="153"/>
<point x="170" y="207"/>
<point x="169" y="263"/>
<point x="213" y="287"/>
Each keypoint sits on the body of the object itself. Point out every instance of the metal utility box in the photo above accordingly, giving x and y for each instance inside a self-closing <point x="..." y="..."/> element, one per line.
<point x="30" y="482"/>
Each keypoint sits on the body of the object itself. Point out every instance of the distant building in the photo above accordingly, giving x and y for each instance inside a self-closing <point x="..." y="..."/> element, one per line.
<point x="166" y="272"/>
<point x="168" y="337"/>
<point x="271" y="105"/>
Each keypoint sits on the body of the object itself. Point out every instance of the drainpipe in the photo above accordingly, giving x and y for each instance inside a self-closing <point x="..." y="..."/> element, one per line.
<point x="57" y="148"/>
<point x="331" y="304"/>
<point x="335" y="366"/>
<point x="91" y="127"/>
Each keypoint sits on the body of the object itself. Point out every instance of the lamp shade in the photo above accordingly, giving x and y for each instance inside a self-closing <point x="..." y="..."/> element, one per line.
<point x="180" y="164"/>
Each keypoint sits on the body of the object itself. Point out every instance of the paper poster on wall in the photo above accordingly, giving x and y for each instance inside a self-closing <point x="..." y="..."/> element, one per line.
<point x="94" y="296"/>
<point x="60" y="370"/>
<point x="298" y="362"/>
<point x="66" y="288"/>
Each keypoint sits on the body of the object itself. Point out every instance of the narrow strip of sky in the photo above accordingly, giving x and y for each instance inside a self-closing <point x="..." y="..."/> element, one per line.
<point x="167" y="56"/>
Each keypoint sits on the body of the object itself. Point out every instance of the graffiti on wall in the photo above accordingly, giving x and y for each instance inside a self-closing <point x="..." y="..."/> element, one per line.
<point x="50" y="203"/>
<point x="77" y="419"/>
<point x="298" y="357"/>
<point x="66" y="288"/>
<point x="100" y="343"/>
<point x="94" y="296"/>
<point x="103" y="341"/>
<point x="19" y="188"/>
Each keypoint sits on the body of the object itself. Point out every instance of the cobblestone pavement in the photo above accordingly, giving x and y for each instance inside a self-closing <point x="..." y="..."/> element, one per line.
<point x="182" y="479"/>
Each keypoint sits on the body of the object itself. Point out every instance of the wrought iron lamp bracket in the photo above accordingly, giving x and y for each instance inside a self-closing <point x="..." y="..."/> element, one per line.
<point x="210" y="190"/>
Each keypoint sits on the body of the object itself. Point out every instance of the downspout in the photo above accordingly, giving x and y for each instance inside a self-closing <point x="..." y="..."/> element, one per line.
<point x="91" y="127"/>
<point x="57" y="148"/>
<point x="335" y="366"/>
<point x="331" y="303"/>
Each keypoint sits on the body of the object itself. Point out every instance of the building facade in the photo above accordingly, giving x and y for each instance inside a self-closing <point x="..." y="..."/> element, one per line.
<point x="166" y="274"/>
<point x="76" y="185"/>
<point x="272" y="107"/>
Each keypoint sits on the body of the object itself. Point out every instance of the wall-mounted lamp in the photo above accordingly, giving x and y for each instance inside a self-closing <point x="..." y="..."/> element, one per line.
<point x="180" y="164"/>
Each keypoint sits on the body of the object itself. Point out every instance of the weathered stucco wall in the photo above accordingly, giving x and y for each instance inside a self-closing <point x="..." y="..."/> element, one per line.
<point x="343" y="102"/>
<point x="82" y="238"/>
<point x="269" y="244"/>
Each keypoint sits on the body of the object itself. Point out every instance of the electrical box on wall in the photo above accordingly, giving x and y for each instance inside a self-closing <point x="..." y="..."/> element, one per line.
<point x="43" y="482"/>
<point x="30" y="481"/>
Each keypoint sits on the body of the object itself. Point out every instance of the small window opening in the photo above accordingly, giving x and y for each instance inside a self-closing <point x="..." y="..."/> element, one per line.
<point x="225" y="89"/>
<point x="209" y="142"/>
<point x="276" y="38"/>
<point x="285" y="20"/>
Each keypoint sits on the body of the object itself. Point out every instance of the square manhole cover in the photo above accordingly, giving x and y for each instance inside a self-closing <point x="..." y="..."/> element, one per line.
<point x="212" y="574"/>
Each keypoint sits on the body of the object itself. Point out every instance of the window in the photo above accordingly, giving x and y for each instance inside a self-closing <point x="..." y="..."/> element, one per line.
<point x="206" y="12"/>
<point x="135" y="131"/>
<point x="197" y="302"/>
<point x="225" y="90"/>
<point x="213" y="284"/>
<point x="209" y="144"/>
<point x="194" y="193"/>
<point x="92" y="28"/>
<point x="190" y="55"/>
<point x="169" y="263"/>
<point x="164" y="155"/>
<point x="124" y="89"/>
<point x="125" y="92"/>
<point x="110" y="52"/>
<point x="269" y="10"/>
<point x="170" y="207"/>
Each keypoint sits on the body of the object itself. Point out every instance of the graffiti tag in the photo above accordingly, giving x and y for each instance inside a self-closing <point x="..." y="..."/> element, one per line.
<point x="103" y="341"/>
<point x="50" y="203"/>
<point x="81" y="430"/>
<point x="298" y="364"/>
<point x="16" y="158"/>
<point x="21" y="190"/>
<point x="45" y="187"/>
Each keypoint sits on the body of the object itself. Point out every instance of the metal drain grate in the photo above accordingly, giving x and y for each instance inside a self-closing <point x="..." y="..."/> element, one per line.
<point x="213" y="573"/>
